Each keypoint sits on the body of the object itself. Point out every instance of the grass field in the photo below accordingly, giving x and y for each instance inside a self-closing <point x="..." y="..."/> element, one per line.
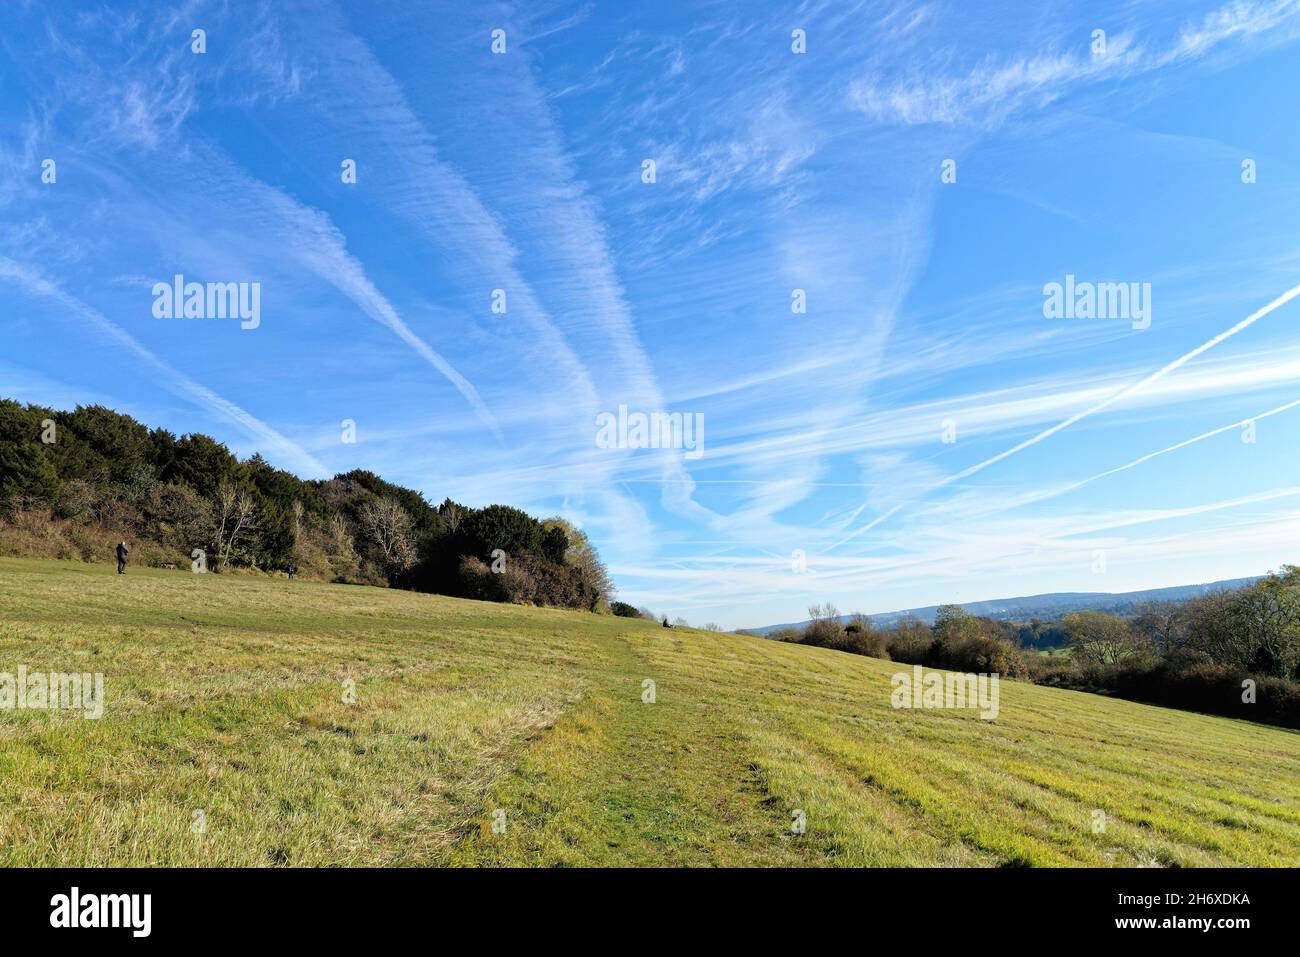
<point x="225" y="695"/>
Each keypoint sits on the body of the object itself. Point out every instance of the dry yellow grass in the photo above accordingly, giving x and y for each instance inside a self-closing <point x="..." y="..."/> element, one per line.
<point x="225" y="695"/>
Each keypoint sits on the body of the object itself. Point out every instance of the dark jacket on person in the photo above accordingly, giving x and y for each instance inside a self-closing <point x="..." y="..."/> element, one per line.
<point x="121" y="552"/>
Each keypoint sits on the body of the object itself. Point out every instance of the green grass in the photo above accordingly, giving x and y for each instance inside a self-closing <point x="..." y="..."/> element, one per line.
<point x="224" y="694"/>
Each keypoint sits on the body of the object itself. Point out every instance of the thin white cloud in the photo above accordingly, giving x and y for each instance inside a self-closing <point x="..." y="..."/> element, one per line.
<point x="1143" y="459"/>
<point x="176" y="382"/>
<point x="1130" y="390"/>
<point x="322" y="247"/>
<point x="1124" y="393"/>
<point x="989" y="92"/>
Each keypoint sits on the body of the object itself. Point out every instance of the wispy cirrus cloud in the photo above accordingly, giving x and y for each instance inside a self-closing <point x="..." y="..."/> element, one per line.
<point x="521" y="172"/>
<point x="179" y="384"/>
<point x="140" y="105"/>
<point x="993" y="89"/>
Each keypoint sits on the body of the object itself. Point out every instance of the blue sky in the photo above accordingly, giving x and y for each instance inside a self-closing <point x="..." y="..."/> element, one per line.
<point x="825" y="473"/>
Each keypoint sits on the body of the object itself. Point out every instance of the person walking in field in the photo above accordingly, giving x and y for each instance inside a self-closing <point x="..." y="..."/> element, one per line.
<point x="121" y="558"/>
<point x="293" y="570"/>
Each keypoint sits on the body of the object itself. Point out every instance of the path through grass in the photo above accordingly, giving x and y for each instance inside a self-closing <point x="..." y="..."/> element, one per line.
<point x="225" y="695"/>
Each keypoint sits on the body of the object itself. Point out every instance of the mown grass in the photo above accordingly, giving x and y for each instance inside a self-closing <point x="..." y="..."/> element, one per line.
<point x="225" y="695"/>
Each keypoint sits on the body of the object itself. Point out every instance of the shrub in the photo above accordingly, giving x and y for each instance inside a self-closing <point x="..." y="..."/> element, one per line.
<point x="980" y="653"/>
<point x="871" y="643"/>
<point x="525" y="580"/>
<point x="824" y="629"/>
<point x="1278" y="701"/>
<point x="909" y="641"/>
<point x="1050" y="669"/>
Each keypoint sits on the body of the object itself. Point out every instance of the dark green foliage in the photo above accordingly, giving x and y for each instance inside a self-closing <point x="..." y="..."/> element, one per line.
<point x="119" y="444"/>
<point x="201" y="463"/>
<point x="502" y="527"/>
<point x="27" y="470"/>
<point x="623" y="610"/>
<point x="554" y="544"/>
<point x="108" y="471"/>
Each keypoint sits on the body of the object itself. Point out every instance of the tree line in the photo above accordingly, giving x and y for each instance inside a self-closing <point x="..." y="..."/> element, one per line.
<point x="1233" y="652"/>
<point x="74" y="483"/>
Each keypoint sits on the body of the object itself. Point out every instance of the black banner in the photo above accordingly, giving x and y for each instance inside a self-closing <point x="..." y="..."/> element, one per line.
<point x="140" y="907"/>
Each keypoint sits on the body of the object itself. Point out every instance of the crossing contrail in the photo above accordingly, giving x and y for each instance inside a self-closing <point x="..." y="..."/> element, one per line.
<point x="1151" y="455"/>
<point x="1129" y="390"/>
<point x="1123" y="393"/>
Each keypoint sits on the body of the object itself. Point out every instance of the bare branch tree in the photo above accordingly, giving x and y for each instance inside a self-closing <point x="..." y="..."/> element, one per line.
<point x="388" y="526"/>
<point x="236" y="514"/>
<point x="452" y="515"/>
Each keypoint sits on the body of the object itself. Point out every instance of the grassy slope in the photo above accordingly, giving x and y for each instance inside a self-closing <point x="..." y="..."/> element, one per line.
<point x="224" y="694"/>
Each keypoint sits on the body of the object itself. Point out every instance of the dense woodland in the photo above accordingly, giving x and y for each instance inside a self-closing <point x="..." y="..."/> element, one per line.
<point x="73" y="484"/>
<point x="1234" y="652"/>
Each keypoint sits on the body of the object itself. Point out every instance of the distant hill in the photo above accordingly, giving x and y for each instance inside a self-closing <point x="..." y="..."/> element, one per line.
<point x="1049" y="607"/>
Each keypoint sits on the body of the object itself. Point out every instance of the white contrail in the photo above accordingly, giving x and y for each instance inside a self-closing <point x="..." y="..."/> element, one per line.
<point x="1123" y="393"/>
<point x="320" y="245"/>
<point x="1043" y="496"/>
<point x="179" y="384"/>
<point x="1151" y="455"/>
<point x="1127" y="391"/>
<point x="342" y="269"/>
<point x="1162" y="515"/>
